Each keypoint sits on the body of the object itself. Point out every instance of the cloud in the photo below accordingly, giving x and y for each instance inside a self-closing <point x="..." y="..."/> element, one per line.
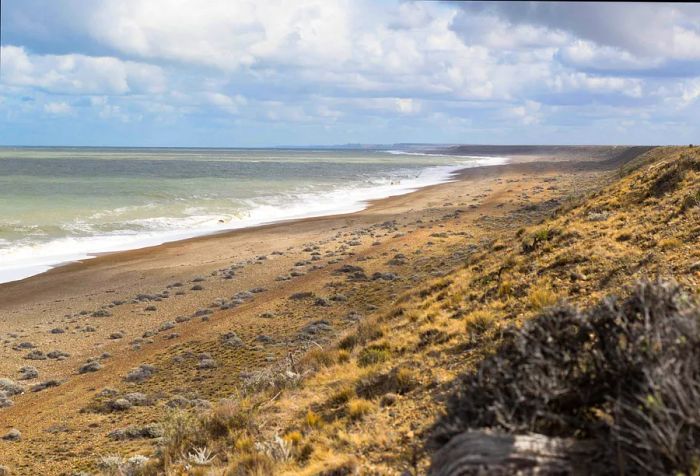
<point x="670" y="30"/>
<point x="528" y="113"/>
<point x="565" y="82"/>
<point x="223" y="34"/>
<point x="364" y="67"/>
<point x="586" y="55"/>
<point x="78" y="74"/>
<point x="58" y="108"/>
<point x="689" y="92"/>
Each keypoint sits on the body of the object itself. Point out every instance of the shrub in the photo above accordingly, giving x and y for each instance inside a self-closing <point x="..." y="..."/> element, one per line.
<point x="90" y="366"/>
<point x="313" y="419"/>
<point x="140" y="373"/>
<point x="404" y="380"/>
<point x="255" y="464"/>
<point x="532" y="241"/>
<point x="398" y="380"/>
<point x="348" y="342"/>
<point x="634" y="362"/>
<point x="624" y="236"/>
<point x="10" y="387"/>
<point x="274" y="379"/>
<point x="5" y="400"/>
<point x="541" y="297"/>
<point x="479" y="322"/>
<point x="432" y="336"/>
<point x="342" y="395"/>
<point x="181" y="431"/>
<point x="28" y="372"/>
<point x="359" y="408"/>
<point x="373" y="354"/>
<point x="667" y="181"/>
<point x="317" y="358"/>
<point x="691" y="200"/>
<point x="368" y="331"/>
<point x="230" y="416"/>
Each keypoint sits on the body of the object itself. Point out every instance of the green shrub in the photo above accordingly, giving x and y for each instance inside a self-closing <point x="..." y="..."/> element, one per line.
<point x="373" y="354"/>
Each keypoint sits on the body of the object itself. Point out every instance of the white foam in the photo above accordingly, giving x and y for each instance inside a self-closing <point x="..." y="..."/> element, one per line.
<point x="25" y="260"/>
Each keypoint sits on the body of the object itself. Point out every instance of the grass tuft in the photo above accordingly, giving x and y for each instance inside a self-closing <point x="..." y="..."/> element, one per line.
<point x="358" y="408"/>
<point x="541" y="296"/>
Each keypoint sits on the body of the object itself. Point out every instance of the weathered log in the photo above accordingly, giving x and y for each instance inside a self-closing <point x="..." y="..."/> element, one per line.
<point x="485" y="453"/>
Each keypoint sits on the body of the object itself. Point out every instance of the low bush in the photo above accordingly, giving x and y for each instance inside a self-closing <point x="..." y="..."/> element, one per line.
<point x="373" y="354"/>
<point x="368" y="331"/>
<point x="398" y="380"/>
<point x="623" y="374"/>
<point x="690" y="201"/>
<point x="342" y="395"/>
<point x="541" y="297"/>
<point x="478" y="322"/>
<point x="313" y="419"/>
<point x="672" y="175"/>
<point x="231" y="415"/>
<point x="359" y="407"/>
<point x="182" y="431"/>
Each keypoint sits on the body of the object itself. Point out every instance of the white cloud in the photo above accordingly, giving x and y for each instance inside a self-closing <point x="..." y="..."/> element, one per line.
<point x="78" y="74"/>
<point x="357" y="46"/>
<point x="491" y="31"/>
<point x="227" y="103"/>
<point x="407" y="106"/>
<point x="691" y="91"/>
<point x="567" y="82"/>
<point x="669" y="30"/>
<point x="528" y="113"/>
<point x="588" y="55"/>
<point x="58" y="108"/>
<point x="355" y="61"/>
<point x="224" y="34"/>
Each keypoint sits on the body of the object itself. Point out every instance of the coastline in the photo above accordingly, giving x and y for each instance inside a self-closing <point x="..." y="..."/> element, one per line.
<point x="429" y="227"/>
<point x="117" y="244"/>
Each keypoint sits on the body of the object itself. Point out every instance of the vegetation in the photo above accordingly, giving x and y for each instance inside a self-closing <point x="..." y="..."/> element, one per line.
<point x="622" y="374"/>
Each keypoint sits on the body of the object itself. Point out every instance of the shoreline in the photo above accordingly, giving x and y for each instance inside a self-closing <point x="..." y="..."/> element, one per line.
<point x="21" y="273"/>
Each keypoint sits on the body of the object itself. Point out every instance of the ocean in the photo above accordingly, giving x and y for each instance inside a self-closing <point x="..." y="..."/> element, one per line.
<point x="64" y="204"/>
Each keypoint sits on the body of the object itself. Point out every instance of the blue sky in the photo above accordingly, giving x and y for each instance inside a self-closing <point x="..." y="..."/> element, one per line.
<point x="249" y="73"/>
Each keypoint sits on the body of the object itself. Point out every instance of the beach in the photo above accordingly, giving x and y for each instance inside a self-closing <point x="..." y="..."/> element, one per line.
<point x="149" y="305"/>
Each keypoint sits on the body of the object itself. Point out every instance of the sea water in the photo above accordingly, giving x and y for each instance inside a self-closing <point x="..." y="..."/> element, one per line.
<point x="65" y="204"/>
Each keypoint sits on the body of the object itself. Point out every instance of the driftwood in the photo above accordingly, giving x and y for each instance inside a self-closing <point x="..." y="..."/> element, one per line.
<point x="483" y="453"/>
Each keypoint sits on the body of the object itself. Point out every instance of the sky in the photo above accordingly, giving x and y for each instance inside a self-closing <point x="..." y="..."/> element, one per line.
<point x="240" y="73"/>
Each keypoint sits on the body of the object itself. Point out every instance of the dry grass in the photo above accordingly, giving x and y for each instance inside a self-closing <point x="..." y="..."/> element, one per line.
<point x="358" y="408"/>
<point x="669" y="243"/>
<point x="541" y="296"/>
<point x="479" y="322"/>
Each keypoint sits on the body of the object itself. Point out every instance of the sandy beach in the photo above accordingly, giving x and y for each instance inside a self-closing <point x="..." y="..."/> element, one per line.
<point x="149" y="305"/>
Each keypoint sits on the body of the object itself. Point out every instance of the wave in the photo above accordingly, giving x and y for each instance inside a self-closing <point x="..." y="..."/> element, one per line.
<point x="23" y="260"/>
